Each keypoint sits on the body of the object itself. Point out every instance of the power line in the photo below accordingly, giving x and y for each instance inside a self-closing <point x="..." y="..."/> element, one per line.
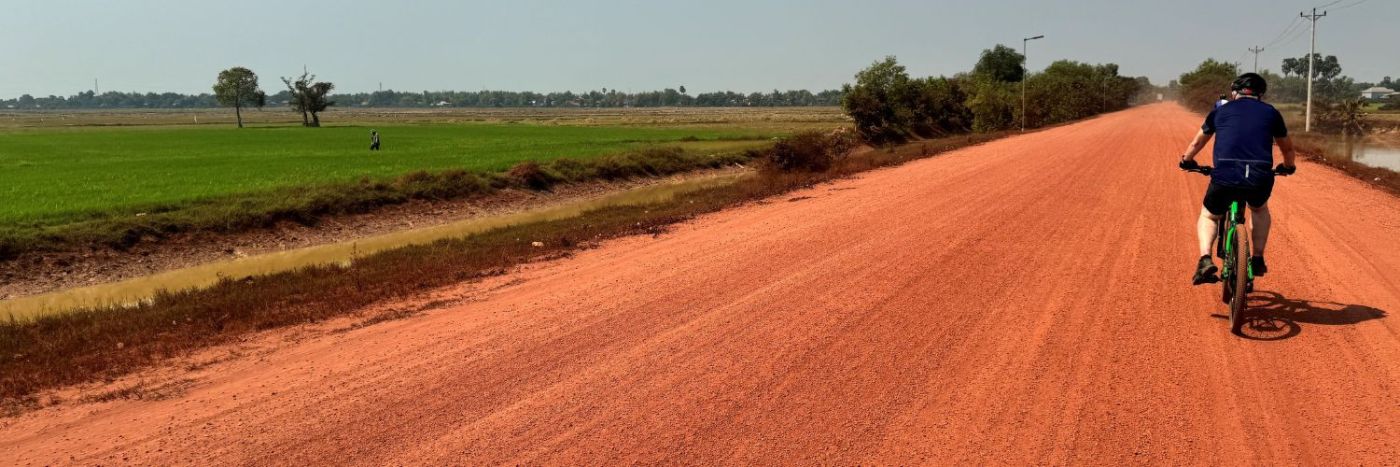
<point x="1293" y="28"/>
<point x="1294" y="37"/>
<point x="1240" y="60"/>
<point x="1349" y="5"/>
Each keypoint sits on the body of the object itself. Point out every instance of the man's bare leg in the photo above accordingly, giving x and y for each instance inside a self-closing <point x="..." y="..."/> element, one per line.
<point x="1262" y="221"/>
<point x="1205" y="267"/>
<point x="1205" y="230"/>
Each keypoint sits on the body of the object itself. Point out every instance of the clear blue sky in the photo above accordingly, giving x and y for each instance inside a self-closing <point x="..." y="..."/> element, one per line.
<point x="59" y="46"/>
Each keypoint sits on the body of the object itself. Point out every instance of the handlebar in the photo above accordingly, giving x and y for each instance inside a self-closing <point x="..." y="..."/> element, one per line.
<point x="1206" y="169"/>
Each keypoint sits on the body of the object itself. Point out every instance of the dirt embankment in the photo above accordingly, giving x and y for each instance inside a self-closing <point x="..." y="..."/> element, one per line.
<point x="1023" y="301"/>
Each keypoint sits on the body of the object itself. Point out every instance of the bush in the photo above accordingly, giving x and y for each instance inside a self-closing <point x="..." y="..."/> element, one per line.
<point x="810" y="151"/>
<point x="1069" y="90"/>
<point x="1347" y="116"/>
<point x="994" y="106"/>
<point x="1391" y="102"/>
<point x="939" y="108"/>
<point x="1203" y="86"/>
<point x="531" y="174"/>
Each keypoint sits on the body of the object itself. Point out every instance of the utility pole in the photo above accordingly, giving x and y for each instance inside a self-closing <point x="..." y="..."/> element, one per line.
<point x="95" y="90"/>
<point x="1312" y="52"/>
<point x="1025" y="73"/>
<point x="1256" y="50"/>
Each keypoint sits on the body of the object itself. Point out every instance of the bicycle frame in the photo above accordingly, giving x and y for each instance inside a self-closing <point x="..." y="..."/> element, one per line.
<point x="1226" y="230"/>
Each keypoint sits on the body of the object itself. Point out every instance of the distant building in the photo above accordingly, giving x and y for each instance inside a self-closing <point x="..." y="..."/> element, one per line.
<point x="1377" y="93"/>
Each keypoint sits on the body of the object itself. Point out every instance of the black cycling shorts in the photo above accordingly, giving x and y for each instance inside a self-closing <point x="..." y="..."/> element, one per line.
<point x="1219" y="197"/>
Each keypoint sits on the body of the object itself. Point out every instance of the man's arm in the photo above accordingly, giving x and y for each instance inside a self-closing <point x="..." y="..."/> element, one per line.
<point x="1285" y="145"/>
<point x="1200" y="143"/>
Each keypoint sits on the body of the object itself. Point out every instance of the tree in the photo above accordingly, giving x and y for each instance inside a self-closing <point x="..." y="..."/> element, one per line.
<point x="237" y="87"/>
<point x="1324" y="68"/>
<point x="878" y="102"/>
<point x="1201" y="87"/>
<point x="26" y="102"/>
<point x="1346" y="115"/>
<point x="310" y="97"/>
<point x="995" y="105"/>
<point x="938" y="107"/>
<point x="1000" y="63"/>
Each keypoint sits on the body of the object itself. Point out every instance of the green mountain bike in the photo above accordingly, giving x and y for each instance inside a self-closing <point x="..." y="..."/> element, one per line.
<point x="1232" y="247"/>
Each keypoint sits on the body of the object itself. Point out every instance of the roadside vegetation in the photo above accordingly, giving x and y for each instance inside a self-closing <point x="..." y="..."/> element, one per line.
<point x="67" y="189"/>
<point x="888" y="106"/>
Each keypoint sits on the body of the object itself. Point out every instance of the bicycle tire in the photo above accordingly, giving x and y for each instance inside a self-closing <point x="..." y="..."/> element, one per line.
<point x="1227" y="261"/>
<point x="1239" y="301"/>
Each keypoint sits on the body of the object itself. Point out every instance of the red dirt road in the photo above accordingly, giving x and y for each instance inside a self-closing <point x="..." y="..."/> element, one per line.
<point x="1023" y="301"/>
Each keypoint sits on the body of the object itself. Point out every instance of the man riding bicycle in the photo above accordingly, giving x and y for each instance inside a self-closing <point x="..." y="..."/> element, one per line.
<point x="1247" y="129"/>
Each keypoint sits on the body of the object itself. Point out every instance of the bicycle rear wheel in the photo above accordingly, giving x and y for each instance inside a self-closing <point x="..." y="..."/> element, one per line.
<point x="1239" y="279"/>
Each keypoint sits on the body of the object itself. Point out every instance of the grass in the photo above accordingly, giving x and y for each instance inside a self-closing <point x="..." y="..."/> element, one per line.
<point x="52" y="176"/>
<point x="68" y="189"/>
<point x="97" y="344"/>
<point x="307" y="205"/>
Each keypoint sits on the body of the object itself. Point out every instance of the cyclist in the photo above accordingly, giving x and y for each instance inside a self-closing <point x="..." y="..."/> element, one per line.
<point x="1246" y="131"/>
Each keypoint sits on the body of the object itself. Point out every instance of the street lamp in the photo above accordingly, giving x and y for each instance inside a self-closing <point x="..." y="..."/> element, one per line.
<point x="1025" y="73"/>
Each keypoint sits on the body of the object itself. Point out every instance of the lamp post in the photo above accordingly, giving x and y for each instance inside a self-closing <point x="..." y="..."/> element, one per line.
<point x="1024" y="74"/>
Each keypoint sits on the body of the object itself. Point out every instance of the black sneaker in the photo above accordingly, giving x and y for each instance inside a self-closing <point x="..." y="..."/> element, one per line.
<point x="1256" y="265"/>
<point x="1205" y="272"/>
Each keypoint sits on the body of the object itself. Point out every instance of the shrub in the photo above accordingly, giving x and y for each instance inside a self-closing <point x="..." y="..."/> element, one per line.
<point x="810" y="151"/>
<point x="994" y="106"/>
<point x="1347" y="116"/>
<point x="531" y="174"/>
<point x="939" y="108"/>
<point x="1391" y="102"/>
<point x="1201" y="87"/>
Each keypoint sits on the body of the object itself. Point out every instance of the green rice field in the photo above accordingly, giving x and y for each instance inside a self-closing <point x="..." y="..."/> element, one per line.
<point x="50" y="175"/>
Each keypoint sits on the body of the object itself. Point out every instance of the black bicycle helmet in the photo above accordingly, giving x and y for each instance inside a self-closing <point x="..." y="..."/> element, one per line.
<point x="1250" y="84"/>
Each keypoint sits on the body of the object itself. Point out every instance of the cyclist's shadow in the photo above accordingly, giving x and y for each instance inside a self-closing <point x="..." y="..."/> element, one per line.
<point x="1273" y="316"/>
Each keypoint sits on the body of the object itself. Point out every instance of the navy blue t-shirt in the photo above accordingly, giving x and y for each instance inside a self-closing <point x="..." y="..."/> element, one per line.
<point x="1244" y="132"/>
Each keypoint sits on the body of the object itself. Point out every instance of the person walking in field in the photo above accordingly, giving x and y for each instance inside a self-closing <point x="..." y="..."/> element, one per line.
<point x="373" y="140"/>
<point x="1245" y="130"/>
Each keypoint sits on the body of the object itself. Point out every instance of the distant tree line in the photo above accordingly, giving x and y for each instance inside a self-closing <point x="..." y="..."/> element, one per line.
<point x="1209" y="80"/>
<point x="476" y="99"/>
<point x="889" y="106"/>
<point x="1337" y="101"/>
